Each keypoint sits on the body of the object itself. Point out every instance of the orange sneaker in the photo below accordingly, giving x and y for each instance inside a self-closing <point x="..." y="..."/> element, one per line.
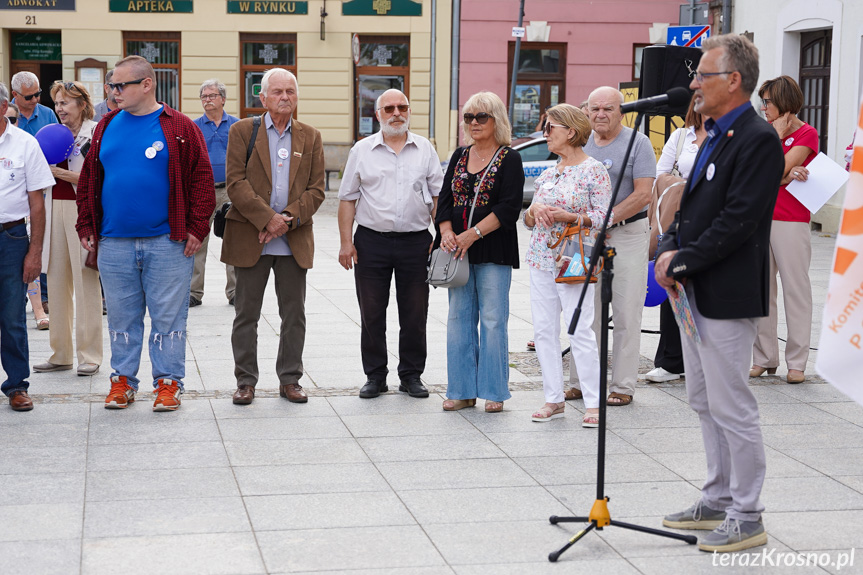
<point x="167" y="396"/>
<point x="121" y="394"/>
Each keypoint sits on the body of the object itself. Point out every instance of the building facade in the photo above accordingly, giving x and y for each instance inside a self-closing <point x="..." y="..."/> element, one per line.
<point x="344" y="53"/>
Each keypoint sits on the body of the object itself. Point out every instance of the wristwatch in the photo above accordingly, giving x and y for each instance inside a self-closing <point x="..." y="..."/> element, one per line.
<point x="478" y="233"/>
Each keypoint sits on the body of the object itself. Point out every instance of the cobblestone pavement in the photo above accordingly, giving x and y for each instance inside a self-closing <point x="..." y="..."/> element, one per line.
<point x="394" y="485"/>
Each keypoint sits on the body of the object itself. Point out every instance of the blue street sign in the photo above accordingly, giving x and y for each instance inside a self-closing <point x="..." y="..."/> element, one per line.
<point x="690" y="36"/>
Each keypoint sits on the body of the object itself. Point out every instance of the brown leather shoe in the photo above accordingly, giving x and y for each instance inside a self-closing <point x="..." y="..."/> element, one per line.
<point x="20" y="401"/>
<point x="244" y="395"/>
<point x="294" y="392"/>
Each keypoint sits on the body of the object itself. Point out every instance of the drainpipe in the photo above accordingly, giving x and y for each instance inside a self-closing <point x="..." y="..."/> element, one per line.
<point x="515" y="63"/>
<point x="726" y="16"/>
<point x="454" y="62"/>
<point x="432" y="76"/>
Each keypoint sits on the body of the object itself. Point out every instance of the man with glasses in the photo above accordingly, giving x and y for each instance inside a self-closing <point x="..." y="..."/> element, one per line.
<point x="214" y="125"/>
<point x="390" y="187"/>
<point x="26" y="93"/>
<point x="718" y="247"/>
<point x="629" y="234"/>
<point x="275" y="189"/>
<point x="146" y="194"/>
<point x="109" y="103"/>
<point x="24" y="174"/>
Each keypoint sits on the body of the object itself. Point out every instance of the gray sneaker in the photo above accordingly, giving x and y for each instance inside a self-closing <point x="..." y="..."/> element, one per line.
<point x="734" y="535"/>
<point x="699" y="516"/>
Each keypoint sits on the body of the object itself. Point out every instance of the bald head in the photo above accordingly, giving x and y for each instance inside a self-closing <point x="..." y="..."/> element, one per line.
<point x="603" y="106"/>
<point x="392" y="94"/>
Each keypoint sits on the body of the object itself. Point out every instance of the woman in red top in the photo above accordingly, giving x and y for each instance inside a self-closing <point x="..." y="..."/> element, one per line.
<point x="790" y="249"/>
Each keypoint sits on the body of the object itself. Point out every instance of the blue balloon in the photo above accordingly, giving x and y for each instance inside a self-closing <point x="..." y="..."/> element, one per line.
<point x="56" y="141"/>
<point x="656" y="294"/>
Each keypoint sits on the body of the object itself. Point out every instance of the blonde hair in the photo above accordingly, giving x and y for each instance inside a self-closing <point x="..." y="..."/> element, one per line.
<point x="490" y="103"/>
<point x="83" y="96"/>
<point x="574" y="119"/>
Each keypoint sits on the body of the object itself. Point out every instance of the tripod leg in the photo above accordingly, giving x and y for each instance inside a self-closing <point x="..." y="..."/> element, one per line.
<point x="691" y="539"/>
<point x="553" y="556"/>
<point x="554" y="519"/>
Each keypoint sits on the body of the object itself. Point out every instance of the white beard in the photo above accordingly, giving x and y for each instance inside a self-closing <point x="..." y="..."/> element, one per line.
<point x="389" y="129"/>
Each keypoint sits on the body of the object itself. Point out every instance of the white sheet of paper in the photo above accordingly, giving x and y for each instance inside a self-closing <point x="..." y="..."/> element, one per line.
<point x="825" y="179"/>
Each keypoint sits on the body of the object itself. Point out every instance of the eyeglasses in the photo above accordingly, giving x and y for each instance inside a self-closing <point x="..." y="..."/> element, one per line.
<point x="699" y="76"/>
<point x="765" y="102"/>
<point x="207" y="97"/>
<point x="546" y="130"/>
<point x="12" y="119"/>
<point x="481" y="118"/>
<point x="31" y="96"/>
<point x="403" y="108"/>
<point x="120" y="86"/>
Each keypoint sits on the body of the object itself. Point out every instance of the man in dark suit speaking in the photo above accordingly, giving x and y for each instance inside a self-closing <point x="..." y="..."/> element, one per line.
<point x="718" y="247"/>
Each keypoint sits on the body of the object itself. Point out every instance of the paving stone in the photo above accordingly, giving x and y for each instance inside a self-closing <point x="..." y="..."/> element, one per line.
<point x="271" y="407"/>
<point x="577" y="469"/>
<point x="812" y="436"/>
<point x="405" y="475"/>
<point x="287" y="451"/>
<point x="481" y="504"/>
<point x="570" y="563"/>
<point x="156" y="456"/>
<point x="327" y="510"/>
<point x="26" y="460"/>
<point x="42" y="488"/>
<point x="387" y="404"/>
<point x="469" y="445"/>
<point x="655" y="498"/>
<point x="315" y="478"/>
<point x="59" y="557"/>
<point x="809" y="494"/>
<point x="106" y="432"/>
<point x="44" y="435"/>
<point x="40" y="521"/>
<point x="176" y="483"/>
<point x="142" y="410"/>
<point x="442" y="570"/>
<point x="830" y="461"/>
<point x="435" y="424"/>
<point x="692" y="466"/>
<point x="565" y="442"/>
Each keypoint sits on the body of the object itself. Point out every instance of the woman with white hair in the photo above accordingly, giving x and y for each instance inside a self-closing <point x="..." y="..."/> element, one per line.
<point x="490" y="171"/>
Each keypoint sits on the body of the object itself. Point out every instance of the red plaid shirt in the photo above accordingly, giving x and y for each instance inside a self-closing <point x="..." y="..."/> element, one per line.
<point x="192" y="197"/>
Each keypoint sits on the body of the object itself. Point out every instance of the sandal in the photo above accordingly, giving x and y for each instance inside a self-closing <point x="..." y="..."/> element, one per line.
<point x="573" y="393"/>
<point x="619" y="399"/>
<point x="493" y="406"/>
<point x="456" y="404"/>
<point x="548" y="412"/>
<point x="42" y="324"/>
<point x="590" y="420"/>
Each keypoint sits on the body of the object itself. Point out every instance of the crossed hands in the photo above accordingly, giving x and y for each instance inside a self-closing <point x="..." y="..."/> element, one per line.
<point x="278" y="226"/>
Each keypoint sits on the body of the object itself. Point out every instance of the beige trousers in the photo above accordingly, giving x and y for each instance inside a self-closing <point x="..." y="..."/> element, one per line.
<point x="790" y="254"/>
<point x="198" y="272"/>
<point x="68" y="275"/>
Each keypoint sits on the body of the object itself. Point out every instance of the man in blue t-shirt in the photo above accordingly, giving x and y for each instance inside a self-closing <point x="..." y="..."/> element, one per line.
<point x="215" y="125"/>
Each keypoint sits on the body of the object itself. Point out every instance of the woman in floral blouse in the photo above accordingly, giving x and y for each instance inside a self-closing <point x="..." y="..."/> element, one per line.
<point x="577" y="189"/>
<point x="477" y="339"/>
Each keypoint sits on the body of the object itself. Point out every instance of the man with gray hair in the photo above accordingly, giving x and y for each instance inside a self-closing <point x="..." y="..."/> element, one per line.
<point x="215" y="125"/>
<point x="718" y="248"/>
<point x="24" y="174"/>
<point x="33" y="115"/>
<point x="274" y="191"/>
<point x="390" y="187"/>
<point x="109" y="103"/>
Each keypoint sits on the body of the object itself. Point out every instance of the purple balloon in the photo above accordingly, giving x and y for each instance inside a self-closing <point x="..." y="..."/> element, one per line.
<point x="56" y="141"/>
<point x="656" y="294"/>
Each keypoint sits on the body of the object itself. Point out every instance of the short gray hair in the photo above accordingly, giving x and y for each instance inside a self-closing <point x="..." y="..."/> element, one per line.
<point x="22" y="79"/>
<point x="214" y="83"/>
<point x="740" y="55"/>
<point x="4" y="94"/>
<point x="265" y="81"/>
<point x="109" y="75"/>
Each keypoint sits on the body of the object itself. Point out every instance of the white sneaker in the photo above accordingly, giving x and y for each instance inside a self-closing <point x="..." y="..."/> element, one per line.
<point x="660" y="375"/>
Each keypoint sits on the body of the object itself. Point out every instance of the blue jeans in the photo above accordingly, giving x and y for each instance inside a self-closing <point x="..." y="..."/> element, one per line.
<point x="14" y="350"/>
<point x="142" y="275"/>
<point x="478" y="359"/>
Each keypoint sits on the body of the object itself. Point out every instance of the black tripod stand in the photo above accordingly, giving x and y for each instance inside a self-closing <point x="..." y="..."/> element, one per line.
<point x="599" y="515"/>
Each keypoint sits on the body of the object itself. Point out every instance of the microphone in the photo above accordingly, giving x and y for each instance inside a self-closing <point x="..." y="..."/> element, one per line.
<point x="675" y="97"/>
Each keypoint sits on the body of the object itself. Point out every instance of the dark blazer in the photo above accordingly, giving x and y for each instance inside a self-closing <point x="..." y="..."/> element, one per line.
<point x="722" y="230"/>
<point x="249" y="188"/>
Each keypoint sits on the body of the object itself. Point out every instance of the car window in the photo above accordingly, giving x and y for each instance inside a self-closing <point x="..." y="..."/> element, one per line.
<point x="537" y="152"/>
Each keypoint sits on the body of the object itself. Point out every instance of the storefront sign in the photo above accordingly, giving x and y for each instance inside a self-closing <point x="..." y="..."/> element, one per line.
<point x="267" y="7"/>
<point x="37" y="4"/>
<point x="39" y="46"/>
<point x="382" y="8"/>
<point x="152" y="6"/>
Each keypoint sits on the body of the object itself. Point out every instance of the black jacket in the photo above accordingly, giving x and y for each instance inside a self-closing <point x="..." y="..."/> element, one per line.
<point x="722" y="230"/>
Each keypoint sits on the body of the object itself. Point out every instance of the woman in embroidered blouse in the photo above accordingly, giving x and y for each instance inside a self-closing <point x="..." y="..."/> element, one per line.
<point x="62" y="256"/>
<point x="790" y="248"/>
<point x="477" y="339"/>
<point x="578" y="189"/>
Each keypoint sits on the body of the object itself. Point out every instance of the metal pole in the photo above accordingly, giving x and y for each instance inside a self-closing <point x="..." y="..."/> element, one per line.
<point x="454" y="60"/>
<point x="433" y="64"/>
<point x="691" y="12"/>
<point x="726" y="16"/>
<point x="515" y="64"/>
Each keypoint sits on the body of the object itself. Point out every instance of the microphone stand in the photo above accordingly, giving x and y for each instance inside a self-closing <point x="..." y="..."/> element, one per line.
<point x="599" y="515"/>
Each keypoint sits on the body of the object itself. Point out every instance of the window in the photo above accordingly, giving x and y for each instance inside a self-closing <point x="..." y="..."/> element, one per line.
<point x="541" y="83"/>
<point x="815" y="81"/>
<point x="384" y="64"/>
<point x="162" y="50"/>
<point x="537" y="152"/>
<point x="259" y="53"/>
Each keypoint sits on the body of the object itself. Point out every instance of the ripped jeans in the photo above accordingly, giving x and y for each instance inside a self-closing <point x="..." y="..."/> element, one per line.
<point x="141" y="275"/>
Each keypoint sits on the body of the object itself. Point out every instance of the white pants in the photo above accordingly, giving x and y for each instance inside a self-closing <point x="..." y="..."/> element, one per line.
<point x="547" y="300"/>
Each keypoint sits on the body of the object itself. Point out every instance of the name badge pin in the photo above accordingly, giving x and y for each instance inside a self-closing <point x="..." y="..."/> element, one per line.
<point x="76" y="151"/>
<point x="158" y="146"/>
<point x="711" y="171"/>
<point x="789" y="141"/>
<point x="283" y="153"/>
<point x="608" y="163"/>
<point x="298" y="155"/>
<point x="548" y="186"/>
<point x="150" y="153"/>
<point x="7" y="164"/>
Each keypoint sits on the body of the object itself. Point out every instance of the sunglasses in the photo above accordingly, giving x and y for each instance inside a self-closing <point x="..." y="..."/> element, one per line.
<point x="403" y="108"/>
<point x="546" y="130"/>
<point x="120" y="86"/>
<point x="31" y="96"/>
<point x="481" y="118"/>
<point x="12" y="119"/>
